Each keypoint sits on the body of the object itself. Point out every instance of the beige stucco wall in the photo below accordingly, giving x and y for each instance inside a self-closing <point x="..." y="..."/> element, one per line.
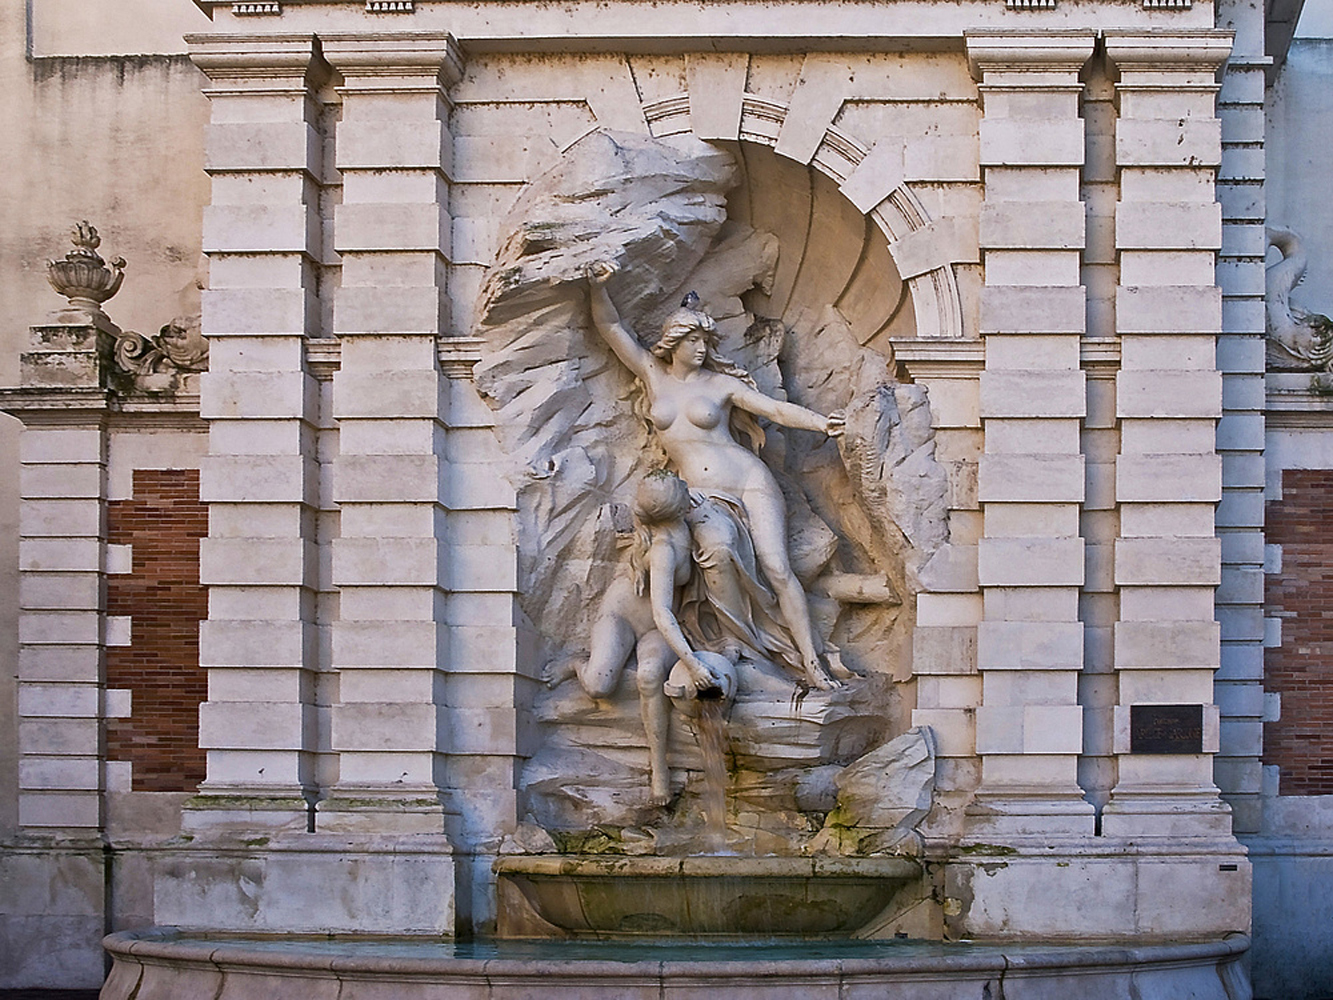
<point x="112" y="27"/>
<point x="113" y="139"/>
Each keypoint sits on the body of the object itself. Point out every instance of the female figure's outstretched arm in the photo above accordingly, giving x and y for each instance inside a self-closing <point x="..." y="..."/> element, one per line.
<point x="788" y="414"/>
<point x="606" y="319"/>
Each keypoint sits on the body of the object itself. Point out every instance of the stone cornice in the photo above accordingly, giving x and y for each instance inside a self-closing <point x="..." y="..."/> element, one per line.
<point x="629" y="26"/>
<point x="1201" y="50"/>
<point x="456" y="355"/>
<point x="1023" y="51"/>
<point x="40" y="406"/>
<point x="396" y="55"/>
<point x="225" y="57"/>
<point x="1288" y="408"/>
<point x="930" y="358"/>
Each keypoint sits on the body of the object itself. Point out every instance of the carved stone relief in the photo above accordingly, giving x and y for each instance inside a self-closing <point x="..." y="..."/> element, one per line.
<point x="1297" y="340"/>
<point x="178" y="347"/>
<point x="664" y="534"/>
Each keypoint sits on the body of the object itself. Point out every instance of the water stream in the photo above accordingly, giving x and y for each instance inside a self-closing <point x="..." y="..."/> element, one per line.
<point x="711" y="726"/>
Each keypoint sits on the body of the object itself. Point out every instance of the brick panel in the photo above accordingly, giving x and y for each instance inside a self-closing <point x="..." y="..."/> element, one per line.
<point x="1301" y="669"/>
<point x="163" y="523"/>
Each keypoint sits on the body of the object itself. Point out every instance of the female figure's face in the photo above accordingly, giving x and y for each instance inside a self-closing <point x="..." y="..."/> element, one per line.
<point x="692" y="350"/>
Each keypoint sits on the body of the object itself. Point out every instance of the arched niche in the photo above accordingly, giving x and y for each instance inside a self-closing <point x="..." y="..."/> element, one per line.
<point x="853" y="233"/>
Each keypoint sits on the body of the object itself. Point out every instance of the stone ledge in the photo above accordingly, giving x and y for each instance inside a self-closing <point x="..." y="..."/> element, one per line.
<point x="154" y="958"/>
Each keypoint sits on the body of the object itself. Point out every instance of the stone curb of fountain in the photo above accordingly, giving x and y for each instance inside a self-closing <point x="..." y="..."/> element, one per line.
<point x="940" y="964"/>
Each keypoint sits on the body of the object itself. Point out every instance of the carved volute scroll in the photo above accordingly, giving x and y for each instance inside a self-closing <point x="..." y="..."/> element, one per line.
<point x="178" y="347"/>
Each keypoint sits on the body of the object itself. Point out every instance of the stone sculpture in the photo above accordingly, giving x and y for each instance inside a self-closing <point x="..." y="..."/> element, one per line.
<point x="794" y="557"/>
<point x="1297" y="340"/>
<point x="693" y="393"/>
<point x="637" y="616"/>
<point x="178" y="347"/>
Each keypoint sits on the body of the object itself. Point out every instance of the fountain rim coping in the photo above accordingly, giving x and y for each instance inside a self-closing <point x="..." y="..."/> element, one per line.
<point x="705" y="866"/>
<point x="163" y="945"/>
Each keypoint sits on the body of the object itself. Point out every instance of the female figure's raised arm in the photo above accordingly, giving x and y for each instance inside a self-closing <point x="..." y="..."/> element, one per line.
<point x="788" y="414"/>
<point x="606" y="319"/>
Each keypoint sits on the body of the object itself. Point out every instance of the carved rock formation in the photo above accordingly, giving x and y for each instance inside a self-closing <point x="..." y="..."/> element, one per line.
<point x="592" y="770"/>
<point x="881" y="798"/>
<point x="569" y="417"/>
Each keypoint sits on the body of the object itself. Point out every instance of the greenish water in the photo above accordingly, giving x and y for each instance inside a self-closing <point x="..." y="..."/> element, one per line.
<point x="585" y="951"/>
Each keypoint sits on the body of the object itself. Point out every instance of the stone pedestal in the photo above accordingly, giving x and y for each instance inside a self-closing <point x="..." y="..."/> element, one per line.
<point x="1096" y="891"/>
<point x="309" y="884"/>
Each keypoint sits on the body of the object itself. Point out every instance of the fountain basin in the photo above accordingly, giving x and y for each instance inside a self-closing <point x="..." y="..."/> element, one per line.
<point x="603" y="897"/>
<point x="162" y="963"/>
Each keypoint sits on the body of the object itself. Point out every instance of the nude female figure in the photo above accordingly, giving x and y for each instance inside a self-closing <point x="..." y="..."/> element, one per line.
<point x="637" y="615"/>
<point x="691" y="393"/>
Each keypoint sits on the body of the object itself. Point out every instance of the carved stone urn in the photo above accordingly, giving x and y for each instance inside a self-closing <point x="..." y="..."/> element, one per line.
<point x="83" y="276"/>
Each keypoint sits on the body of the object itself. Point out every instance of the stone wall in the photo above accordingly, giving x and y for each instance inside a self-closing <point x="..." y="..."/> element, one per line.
<point x="1292" y="871"/>
<point x="1299" y="591"/>
<point x="1291" y="851"/>
<point x="1293" y="950"/>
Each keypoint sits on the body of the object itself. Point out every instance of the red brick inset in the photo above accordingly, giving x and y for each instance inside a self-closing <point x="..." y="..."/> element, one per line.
<point x="163" y="523"/>
<point x="1301" y="669"/>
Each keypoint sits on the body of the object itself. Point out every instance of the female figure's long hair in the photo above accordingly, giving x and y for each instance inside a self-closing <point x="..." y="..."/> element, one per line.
<point x="662" y="498"/>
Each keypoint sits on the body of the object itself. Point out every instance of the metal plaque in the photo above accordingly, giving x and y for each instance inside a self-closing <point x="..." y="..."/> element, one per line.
<point x="1166" y="729"/>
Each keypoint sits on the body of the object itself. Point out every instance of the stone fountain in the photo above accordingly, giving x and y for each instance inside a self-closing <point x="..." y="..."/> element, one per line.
<point x="720" y="517"/>
<point x="712" y="572"/>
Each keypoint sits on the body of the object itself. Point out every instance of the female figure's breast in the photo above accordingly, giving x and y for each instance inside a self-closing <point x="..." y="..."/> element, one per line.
<point x="704" y="412"/>
<point x="663" y="413"/>
<point x="703" y="403"/>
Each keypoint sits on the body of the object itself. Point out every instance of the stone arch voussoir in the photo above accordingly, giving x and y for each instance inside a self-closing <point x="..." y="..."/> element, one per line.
<point x="870" y="175"/>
